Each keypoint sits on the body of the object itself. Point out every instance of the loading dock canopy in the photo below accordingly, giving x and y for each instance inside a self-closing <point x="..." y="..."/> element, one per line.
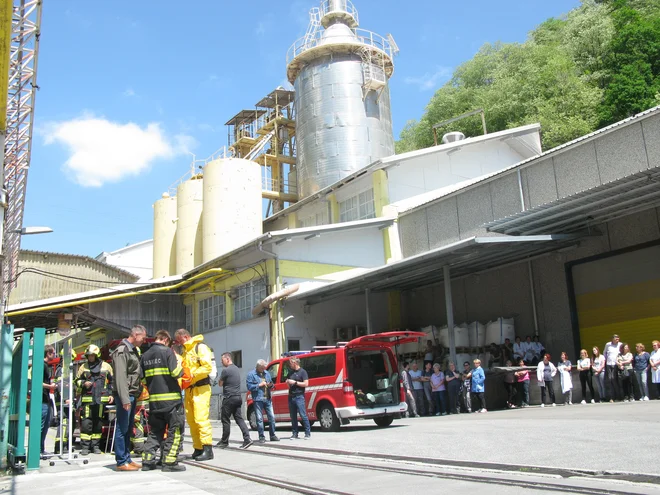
<point x="472" y="255"/>
<point x="636" y="192"/>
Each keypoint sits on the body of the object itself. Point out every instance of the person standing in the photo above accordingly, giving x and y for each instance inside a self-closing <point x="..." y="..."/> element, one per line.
<point x="478" y="385"/>
<point x="467" y="386"/>
<point x="408" y="390"/>
<point x="260" y="384"/>
<point x="522" y="376"/>
<point x="429" y="353"/>
<point x="641" y="366"/>
<point x="197" y="360"/>
<point x="297" y="382"/>
<point x="94" y="384"/>
<point x="598" y="369"/>
<point x="438" y="390"/>
<point x="611" y="353"/>
<point x="426" y="382"/>
<point x="624" y="362"/>
<point x="654" y="361"/>
<point x="166" y="416"/>
<point x="565" y="367"/>
<point x="415" y="375"/>
<point x="453" y="379"/>
<point x="545" y="372"/>
<point x="126" y="388"/>
<point x="584" y="367"/>
<point x="510" y="385"/>
<point x="48" y="387"/>
<point x="230" y="381"/>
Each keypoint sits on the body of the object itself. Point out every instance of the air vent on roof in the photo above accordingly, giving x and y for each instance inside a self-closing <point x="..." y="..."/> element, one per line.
<point x="452" y="137"/>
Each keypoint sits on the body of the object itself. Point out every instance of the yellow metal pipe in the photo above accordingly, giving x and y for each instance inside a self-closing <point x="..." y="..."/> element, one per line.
<point x="118" y="296"/>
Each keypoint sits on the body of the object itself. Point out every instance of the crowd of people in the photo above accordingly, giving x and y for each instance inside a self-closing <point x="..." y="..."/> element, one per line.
<point x="619" y="375"/>
<point x="177" y="373"/>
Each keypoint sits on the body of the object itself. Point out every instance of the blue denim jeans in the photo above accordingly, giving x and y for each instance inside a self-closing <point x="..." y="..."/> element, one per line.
<point x="297" y="406"/>
<point x="45" y="423"/>
<point x="642" y="377"/>
<point x="439" y="398"/>
<point x="259" y="407"/>
<point x="124" y="432"/>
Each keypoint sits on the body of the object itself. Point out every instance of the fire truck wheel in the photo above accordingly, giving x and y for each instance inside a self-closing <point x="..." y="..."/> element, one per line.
<point x="51" y="463"/>
<point x="384" y="421"/>
<point x="85" y="461"/>
<point x="327" y="417"/>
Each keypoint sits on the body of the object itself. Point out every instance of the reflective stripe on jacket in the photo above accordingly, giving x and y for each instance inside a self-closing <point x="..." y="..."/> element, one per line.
<point x="161" y="372"/>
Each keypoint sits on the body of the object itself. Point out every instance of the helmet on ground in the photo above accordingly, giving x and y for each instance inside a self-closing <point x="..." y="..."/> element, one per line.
<point x="93" y="349"/>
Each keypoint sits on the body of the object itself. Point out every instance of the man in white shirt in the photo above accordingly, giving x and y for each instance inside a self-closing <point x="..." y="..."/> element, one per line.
<point x="611" y="352"/>
<point x="415" y="375"/>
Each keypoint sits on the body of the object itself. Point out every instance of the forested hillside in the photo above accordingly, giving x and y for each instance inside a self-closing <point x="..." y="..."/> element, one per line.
<point x="598" y="64"/>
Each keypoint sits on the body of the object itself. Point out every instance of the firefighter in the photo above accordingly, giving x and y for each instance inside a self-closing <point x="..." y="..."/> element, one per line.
<point x="139" y="421"/>
<point x="166" y="416"/>
<point x="197" y="359"/>
<point x="94" y="381"/>
<point x="63" y="426"/>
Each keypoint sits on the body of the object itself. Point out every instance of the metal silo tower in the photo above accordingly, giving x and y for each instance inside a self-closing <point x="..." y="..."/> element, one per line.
<point x="343" y="118"/>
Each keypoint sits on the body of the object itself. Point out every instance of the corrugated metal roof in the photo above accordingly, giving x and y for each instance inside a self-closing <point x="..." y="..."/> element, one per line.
<point x="587" y="208"/>
<point x="530" y="161"/>
<point x="83" y="258"/>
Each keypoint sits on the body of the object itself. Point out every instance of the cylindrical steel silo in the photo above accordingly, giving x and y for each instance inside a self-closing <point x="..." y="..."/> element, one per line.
<point x="164" y="237"/>
<point x="232" y="212"/>
<point x="343" y="118"/>
<point x="189" y="224"/>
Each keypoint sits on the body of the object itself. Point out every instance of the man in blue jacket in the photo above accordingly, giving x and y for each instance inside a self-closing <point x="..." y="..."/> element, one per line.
<point x="260" y="385"/>
<point x="478" y="381"/>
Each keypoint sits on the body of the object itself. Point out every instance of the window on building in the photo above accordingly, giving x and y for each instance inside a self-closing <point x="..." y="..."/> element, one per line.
<point x="189" y="317"/>
<point x="358" y="207"/>
<point x="211" y="314"/>
<point x="237" y="358"/>
<point x="315" y="220"/>
<point x="247" y="297"/>
<point x="293" y="345"/>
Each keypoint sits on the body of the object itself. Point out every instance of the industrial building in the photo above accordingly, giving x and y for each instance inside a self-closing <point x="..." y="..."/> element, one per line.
<point x="356" y="239"/>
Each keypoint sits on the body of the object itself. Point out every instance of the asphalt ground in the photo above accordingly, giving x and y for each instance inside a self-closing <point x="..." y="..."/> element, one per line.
<point x="602" y="446"/>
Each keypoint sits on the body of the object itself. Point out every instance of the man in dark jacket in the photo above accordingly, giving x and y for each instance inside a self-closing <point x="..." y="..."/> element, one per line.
<point x="126" y="387"/>
<point x="161" y="371"/>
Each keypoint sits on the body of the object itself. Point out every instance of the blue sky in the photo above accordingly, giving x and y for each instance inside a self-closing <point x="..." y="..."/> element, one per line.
<point x="129" y="88"/>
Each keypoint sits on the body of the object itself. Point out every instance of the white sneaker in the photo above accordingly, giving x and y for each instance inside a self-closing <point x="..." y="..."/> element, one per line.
<point x="554" y="405"/>
<point x="632" y="400"/>
<point x="593" y="401"/>
<point x="583" y="401"/>
<point x="625" y="400"/>
<point x="484" y="410"/>
<point x="646" y="398"/>
<point x="542" y="405"/>
<point x="570" y="403"/>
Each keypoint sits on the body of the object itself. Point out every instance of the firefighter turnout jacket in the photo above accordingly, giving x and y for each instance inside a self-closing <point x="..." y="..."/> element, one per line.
<point x="161" y="374"/>
<point x="99" y="373"/>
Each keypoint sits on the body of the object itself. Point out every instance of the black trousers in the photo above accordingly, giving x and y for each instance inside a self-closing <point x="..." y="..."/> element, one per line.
<point x="612" y="385"/>
<point x="585" y="380"/>
<point x="91" y="426"/>
<point x="231" y="406"/>
<point x="166" y="434"/>
<point x="551" y="391"/>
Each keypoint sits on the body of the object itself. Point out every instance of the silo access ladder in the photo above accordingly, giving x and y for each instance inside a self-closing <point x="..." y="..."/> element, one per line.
<point x="261" y="144"/>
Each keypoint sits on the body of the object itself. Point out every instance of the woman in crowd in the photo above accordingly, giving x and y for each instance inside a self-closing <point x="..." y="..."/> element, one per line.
<point x="598" y="368"/>
<point x="428" y="391"/>
<point x="478" y="384"/>
<point x="438" y="390"/>
<point x="518" y="350"/>
<point x="453" y="379"/>
<point x="523" y="384"/>
<point x="584" y="367"/>
<point x="641" y="369"/>
<point x="654" y="361"/>
<point x="509" y="383"/>
<point x="624" y="363"/>
<point x="539" y="349"/>
<point x="565" y="366"/>
<point x="545" y="372"/>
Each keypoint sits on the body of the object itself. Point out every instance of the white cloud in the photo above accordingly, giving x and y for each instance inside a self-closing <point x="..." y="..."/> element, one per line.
<point x="430" y="80"/>
<point x="129" y="92"/>
<point x="101" y="151"/>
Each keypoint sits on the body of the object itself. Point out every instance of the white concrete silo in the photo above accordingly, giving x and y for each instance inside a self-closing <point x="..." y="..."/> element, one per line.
<point x="164" y="237"/>
<point x="232" y="212"/>
<point x="189" y="196"/>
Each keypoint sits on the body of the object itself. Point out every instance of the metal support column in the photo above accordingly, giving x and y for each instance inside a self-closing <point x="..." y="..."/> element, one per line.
<point x="450" y="313"/>
<point x="6" y="345"/>
<point x="367" y="293"/>
<point x="36" y="392"/>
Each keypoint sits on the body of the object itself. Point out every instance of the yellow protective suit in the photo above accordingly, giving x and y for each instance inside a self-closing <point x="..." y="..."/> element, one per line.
<point x="197" y="358"/>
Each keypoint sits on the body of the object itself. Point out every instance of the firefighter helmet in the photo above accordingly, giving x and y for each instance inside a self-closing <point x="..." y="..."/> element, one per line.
<point x="93" y="349"/>
<point x="73" y="354"/>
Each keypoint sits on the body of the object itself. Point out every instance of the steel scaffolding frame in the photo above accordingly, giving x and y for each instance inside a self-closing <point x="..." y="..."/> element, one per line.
<point x="23" y="56"/>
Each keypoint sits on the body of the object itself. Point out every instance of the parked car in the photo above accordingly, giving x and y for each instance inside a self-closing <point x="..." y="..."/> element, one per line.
<point x="356" y="379"/>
